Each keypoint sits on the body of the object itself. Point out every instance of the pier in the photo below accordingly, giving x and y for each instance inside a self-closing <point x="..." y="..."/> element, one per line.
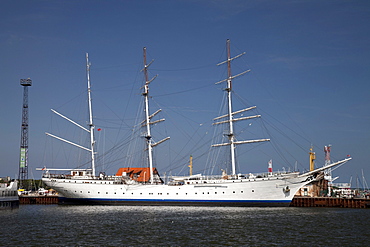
<point x="38" y="199"/>
<point x="301" y="201"/>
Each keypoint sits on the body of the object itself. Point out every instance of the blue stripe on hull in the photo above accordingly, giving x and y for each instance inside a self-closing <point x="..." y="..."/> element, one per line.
<point x="239" y="203"/>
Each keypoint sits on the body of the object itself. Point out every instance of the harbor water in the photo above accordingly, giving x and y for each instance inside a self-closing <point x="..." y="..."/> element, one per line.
<point x="55" y="225"/>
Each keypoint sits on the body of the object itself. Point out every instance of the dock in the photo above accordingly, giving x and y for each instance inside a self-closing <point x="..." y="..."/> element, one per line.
<point x="330" y="202"/>
<point x="38" y="199"/>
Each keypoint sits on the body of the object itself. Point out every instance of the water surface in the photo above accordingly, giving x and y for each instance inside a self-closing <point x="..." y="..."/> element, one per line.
<point x="54" y="225"/>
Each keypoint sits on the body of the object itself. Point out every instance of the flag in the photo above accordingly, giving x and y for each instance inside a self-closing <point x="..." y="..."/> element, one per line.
<point x="99" y="129"/>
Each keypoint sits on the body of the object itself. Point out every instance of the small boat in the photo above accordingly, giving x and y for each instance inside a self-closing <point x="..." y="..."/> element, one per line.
<point x="9" y="195"/>
<point x="144" y="186"/>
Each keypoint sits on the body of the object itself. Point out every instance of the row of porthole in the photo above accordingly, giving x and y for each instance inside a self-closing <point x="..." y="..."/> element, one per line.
<point x="241" y="192"/>
<point x="233" y="181"/>
<point x="84" y="182"/>
<point x="187" y="182"/>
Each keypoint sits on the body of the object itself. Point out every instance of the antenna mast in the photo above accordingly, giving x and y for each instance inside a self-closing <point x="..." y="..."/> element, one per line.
<point x="23" y="161"/>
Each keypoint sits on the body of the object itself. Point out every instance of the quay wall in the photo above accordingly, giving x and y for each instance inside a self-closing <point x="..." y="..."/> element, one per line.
<point x="38" y="200"/>
<point x="301" y="201"/>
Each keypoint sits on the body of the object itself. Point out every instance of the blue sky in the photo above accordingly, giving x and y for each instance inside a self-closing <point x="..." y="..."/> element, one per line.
<point x="309" y="77"/>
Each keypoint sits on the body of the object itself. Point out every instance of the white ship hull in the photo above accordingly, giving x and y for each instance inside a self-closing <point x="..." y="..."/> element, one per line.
<point x="268" y="191"/>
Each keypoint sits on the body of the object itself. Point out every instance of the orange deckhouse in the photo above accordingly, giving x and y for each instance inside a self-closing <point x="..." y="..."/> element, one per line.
<point x="140" y="174"/>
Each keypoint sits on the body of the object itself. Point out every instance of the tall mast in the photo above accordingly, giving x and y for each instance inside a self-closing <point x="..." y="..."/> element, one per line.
<point x="91" y="125"/>
<point x="230" y="119"/>
<point x="147" y="119"/>
<point x="148" y="136"/>
<point x="230" y="110"/>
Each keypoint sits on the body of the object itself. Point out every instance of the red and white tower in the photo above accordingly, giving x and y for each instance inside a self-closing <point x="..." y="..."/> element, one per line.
<point x="270" y="167"/>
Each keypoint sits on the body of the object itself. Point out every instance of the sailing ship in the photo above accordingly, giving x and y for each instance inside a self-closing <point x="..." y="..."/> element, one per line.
<point x="144" y="186"/>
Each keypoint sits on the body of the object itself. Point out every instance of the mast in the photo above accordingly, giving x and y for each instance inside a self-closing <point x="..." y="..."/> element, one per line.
<point x="147" y="119"/>
<point x="230" y="110"/>
<point x="148" y="136"/>
<point x="230" y="120"/>
<point x="91" y="125"/>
